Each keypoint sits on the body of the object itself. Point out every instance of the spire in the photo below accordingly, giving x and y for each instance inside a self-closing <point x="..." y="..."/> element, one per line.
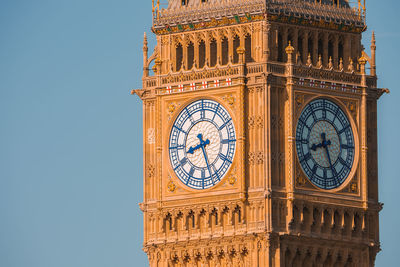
<point x="373" y="55"/>
<point x="145" y="41"/>
<point x="145" y="56"/>
<point x="373" y="42"/>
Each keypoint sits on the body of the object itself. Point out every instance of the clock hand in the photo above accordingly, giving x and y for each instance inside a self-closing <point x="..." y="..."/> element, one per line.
<point x="314" y="146"/>
<point x="323" y="144"/>
<point x="202" y="143"/>
<point x="206" y="159"/>
<point x="326" y="144"/>
<point x="323" y="136"/>
<point x="193" y="149"/>
<point x="203" y="146"/>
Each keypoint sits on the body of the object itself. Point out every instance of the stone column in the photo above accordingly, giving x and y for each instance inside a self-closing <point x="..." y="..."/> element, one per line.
<point x="185" y="64"/>
<point x="230" y="46"/>
<point x="325" y="56"/>
<point x="219" y="49"/>
<point x="364" y="131"/>
<point x="196" y="53"/>
<point x="336" y="51"/>
<point x="275" y="44"/>
<point x="304" y="54"/>
<point x="295" y="40"/>
<point x="266" y="42"/>
<point x="315" y="48"/>
<point x="208" y="55"/>
<point x="284" y="42"/>
<point x="346" y="51"/>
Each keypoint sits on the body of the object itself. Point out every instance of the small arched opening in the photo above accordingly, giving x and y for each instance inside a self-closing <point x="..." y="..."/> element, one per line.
<point x="179" y="57"/>
<point x="225" y="51"/>
<point x="213" y="53"/>
<point x="236" y="44"/>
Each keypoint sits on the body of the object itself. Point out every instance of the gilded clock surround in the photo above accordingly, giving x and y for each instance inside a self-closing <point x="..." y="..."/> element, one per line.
<point x="228" y="102"/>
<point x="263" y="65"/>
<point x="302" y="99"/>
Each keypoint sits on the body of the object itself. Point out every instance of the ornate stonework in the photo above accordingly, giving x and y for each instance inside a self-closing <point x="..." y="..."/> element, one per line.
<point x="263" y="62"/>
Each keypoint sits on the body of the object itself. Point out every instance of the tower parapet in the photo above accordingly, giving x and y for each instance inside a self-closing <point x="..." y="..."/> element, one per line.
<point x="186" y="15"/>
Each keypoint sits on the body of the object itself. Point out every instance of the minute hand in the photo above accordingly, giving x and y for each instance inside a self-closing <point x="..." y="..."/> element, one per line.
<point x="206" y="159"/>
<point x="329" y="159"/>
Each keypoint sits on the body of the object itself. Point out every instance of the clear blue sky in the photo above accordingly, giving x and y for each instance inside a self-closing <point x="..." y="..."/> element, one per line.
<point x="70" y="134"/>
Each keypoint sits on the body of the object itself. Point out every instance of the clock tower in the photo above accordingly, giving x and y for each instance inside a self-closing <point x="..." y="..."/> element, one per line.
<point x="260" y="135"/>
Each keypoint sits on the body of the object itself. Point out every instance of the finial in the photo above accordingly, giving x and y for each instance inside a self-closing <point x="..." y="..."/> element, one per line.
<point x="362" y="60"/>
<point x="290" y="48"/>
<point x="319" y="65"/>
<point x="351" y="65"/>
<point x="145" y="40"/>
<point x="373" y="41"/>
<point x="330" y="65"/>
<point x="298" y="58"/>
<point x="309" y="61"/>
<point x="240" y="50"/>
<point x="341" y="64"/>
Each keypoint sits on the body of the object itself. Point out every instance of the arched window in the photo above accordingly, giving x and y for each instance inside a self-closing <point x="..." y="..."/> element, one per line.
<point x="310" y="47"/>
<point x="280" y="48"/>
<point x="290" y="39"/>
<point x="225" y="51"/>
<point x="300" y="47"/>
<point x="341" y="49"/>
<point x="236" y="44"/>
<point x="185" y="2"/>
<point x="202" y="54"/>
<point x="213" y="53"/>
<point x="320" y="48"/>
<point x="190" y="55"/>
<point x="330" y="49"/>
<point x="247" y="45"/>
<point x="179" y="57"/>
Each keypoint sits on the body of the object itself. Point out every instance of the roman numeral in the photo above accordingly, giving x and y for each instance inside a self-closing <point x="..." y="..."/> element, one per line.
<point x="184" y="161"/>
<point x="306" y="157"/>
<point x="227" y="141"/>
<point x="346" y="147"/>
<point x="344" y="129"/>
<point x="304" y="123"/>
<point x="223" y="125"/>
<point x="344" y="163"/>
<point x="191" y="171"/>
<point x="179" y="129"/>
<point x="177" y="147"/>
<point x="224" y="158"/>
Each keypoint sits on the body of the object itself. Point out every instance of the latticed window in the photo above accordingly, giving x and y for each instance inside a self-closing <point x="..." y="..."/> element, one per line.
<point x="202" y="54"/>
<point x="236" y="45"/>
<point x="213" y="53"/>
<point x="247" y="44"/>
<point x="190" y="56"/>
<point x="225" y="50"/>
<point x="179" y="57"/>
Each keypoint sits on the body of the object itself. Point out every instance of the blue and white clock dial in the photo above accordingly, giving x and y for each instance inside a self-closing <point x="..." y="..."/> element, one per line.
<point x="325" y="144"/>
<point x="202" y="144"/>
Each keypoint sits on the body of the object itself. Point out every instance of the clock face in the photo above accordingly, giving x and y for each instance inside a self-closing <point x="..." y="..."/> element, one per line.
<point x="325" y="144"/>
<point x="202" y="144"/>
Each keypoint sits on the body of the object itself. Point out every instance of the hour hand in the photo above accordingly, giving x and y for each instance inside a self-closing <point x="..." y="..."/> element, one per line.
<point x="314" y="147"/>
<point x="193" y="149"/>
